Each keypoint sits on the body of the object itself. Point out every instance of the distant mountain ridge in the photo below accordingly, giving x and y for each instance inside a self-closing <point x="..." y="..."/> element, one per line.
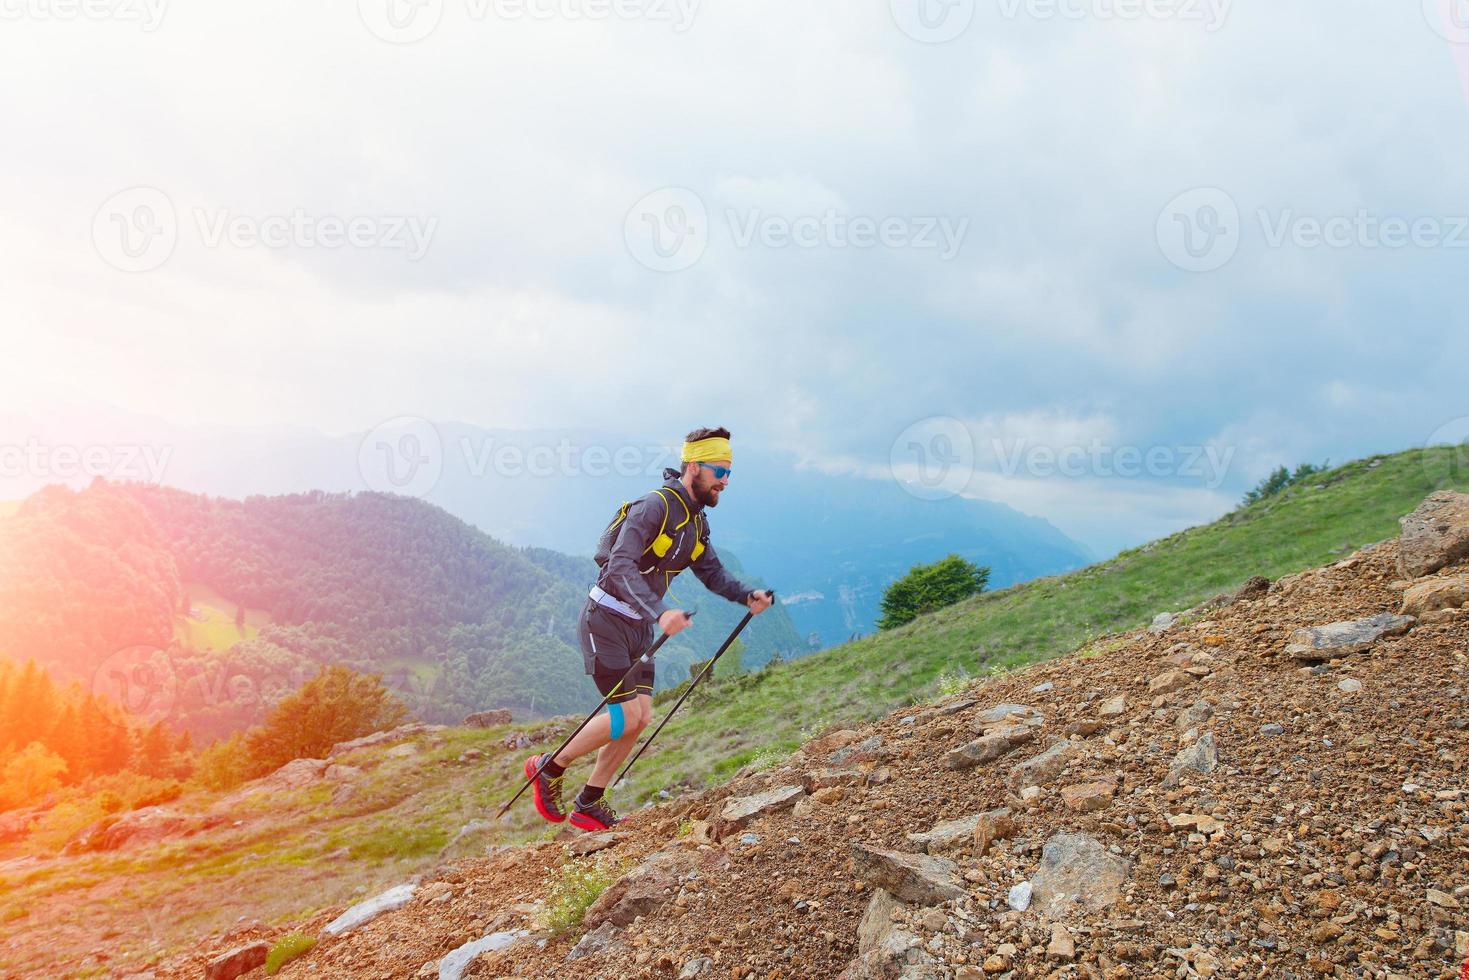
<point x="834" y="540"/>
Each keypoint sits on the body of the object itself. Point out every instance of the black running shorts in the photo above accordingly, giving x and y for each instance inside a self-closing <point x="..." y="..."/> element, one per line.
<point x="610" y="642"/>
<point x="641" y="682"/>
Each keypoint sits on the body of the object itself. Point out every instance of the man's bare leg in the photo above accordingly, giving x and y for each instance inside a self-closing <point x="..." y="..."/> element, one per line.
<point x="596" y="735"/>
<point x="612" y="754"/>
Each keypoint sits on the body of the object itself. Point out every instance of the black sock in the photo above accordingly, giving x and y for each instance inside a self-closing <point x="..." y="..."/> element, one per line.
<point x="551" y="769"/>
<point x="590" y="794"/>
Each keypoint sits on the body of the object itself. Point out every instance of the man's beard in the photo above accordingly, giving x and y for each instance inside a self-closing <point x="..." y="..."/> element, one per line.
<point x="706" y="495"/>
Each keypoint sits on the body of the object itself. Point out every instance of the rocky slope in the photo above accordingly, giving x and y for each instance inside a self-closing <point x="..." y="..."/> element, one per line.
<point x="1270" y="785"/>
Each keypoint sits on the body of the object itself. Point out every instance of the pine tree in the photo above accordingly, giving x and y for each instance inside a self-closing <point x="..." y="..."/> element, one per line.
<point x="108" y="745"/>
<point x="7" y="711"/>
<point x="154" y="751"/>
<point x="66" y="741"/>
<point x="31" y="709"/>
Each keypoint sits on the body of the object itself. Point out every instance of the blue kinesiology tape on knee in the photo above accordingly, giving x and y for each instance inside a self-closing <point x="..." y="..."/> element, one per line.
<point x="614" y="712"/>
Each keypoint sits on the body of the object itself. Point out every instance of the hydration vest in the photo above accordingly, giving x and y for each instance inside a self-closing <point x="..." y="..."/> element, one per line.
<point x="653" y="555"/>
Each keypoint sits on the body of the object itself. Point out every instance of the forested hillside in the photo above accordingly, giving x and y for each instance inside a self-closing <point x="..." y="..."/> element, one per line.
<point x="83" y="575"/>
<point x="454" y="620"/>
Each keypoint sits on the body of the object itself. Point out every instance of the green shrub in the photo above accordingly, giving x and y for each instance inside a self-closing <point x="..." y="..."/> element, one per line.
<point x="768" y="758"/>
<point x="929" y="587"/>
<point x="1283" y="478"/>
<point x="287" y="948"/>
<point x="166" y="791"/>
<point x="29" y="775"/>
<point x="336" y="705"/>
<point x="670" y="693"/>
<point x="224" y="764"/>
<point x="950" y="682"/>
<point x="575" y="891"/>
<point x="61" y="823"/>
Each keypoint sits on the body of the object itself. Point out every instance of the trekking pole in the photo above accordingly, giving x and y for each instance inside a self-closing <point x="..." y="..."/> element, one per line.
<point x="645" y="658"/>
<point x="702" y="674"/>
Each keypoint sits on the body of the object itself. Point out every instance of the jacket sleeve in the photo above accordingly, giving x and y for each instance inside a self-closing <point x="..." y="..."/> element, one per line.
<point x="716" y="578"/>
<point x="638" y="530"/>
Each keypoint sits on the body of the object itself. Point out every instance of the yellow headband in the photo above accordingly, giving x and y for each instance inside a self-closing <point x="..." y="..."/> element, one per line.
<point x="706" y="450"/>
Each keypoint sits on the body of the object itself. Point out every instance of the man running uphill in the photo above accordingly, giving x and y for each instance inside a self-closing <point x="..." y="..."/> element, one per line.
<point x="649" y="542"/>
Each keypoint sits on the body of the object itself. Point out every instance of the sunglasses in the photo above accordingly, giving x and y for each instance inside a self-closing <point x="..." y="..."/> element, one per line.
<point x="720" y="472"/>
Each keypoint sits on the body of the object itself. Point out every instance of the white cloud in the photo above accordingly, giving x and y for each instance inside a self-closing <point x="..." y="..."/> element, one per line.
<point x="528" y="140"/>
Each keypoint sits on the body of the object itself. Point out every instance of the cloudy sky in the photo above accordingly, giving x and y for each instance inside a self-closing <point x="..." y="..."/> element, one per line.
<point x="1170" y="243"/>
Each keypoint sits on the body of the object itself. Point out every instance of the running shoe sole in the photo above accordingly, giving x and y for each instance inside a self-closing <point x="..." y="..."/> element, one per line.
<point x="585" y="821"/>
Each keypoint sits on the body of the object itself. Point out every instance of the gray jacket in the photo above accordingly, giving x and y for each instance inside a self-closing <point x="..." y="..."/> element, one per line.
<point x="632" y="570"/>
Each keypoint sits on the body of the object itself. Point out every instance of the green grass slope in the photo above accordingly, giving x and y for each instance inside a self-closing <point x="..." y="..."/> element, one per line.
<point x="210" y="624"/>
<point x="1357" y="503"/>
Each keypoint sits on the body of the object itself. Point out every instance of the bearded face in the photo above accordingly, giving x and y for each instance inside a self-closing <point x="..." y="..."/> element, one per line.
<point x="705" y="487"/>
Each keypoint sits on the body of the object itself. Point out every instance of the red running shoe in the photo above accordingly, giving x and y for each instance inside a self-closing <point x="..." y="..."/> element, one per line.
<point x="547" y="790"/>
<point x="594" y="816"/>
